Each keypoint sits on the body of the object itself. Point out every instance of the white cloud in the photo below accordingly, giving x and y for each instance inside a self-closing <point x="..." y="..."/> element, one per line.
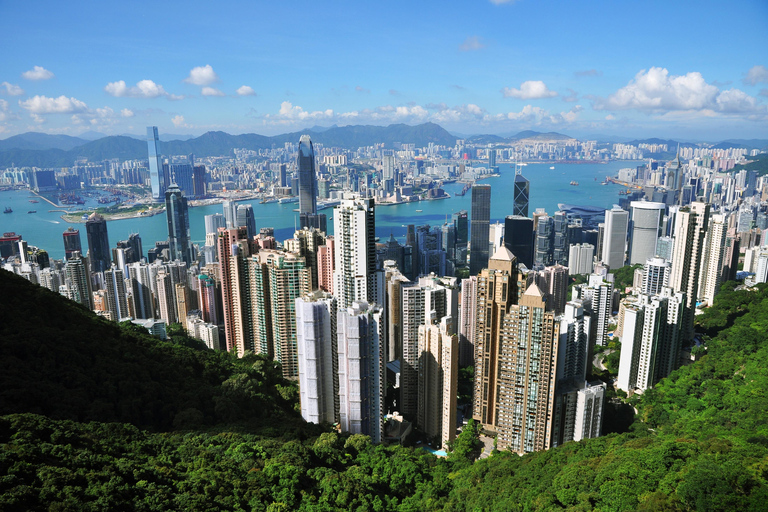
<point x="211" y="91"/>
<point x="202" y="75"/>
<point x="246" y="90"/>
<point x="529" y="90"/>
<point x="4" y="109"/>
<point x="472" y="43"/>
<point x="290" y="112"/>
<point x="657" y="91"/>
<point x="178" y="121"/>
<point x="757" y="75"/>
<point x="610" y="117"/>
<point x="12" y="90"/>
<point x="127" y="112"/>
<point x="37" y="73"/>
<point x="142" y="89"/>
<point x="44" y="105"/>
<point x="736" y="101"/>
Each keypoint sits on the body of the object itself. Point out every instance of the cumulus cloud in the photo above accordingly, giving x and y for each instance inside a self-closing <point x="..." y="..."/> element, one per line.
<point x="290" y="112"/>
<point x="211" y="91"/>
<point x="127" y="112"/>
<point x="757" y="75"/>
<point x="37" y="73"/>
<point x="471" y="44"/>
<point x="11" y="89"/>
<point x="656" y="91"/>
<point x="202" y="75"/>
<point x="246" y="90"/>
<point x="44" y="105"/>
<point x="588" y="72"/>
<point x="142" y="89"/>
<point x="178" y="121"/>
<point x="362" y="89"/>
<point x="529" y="90"/>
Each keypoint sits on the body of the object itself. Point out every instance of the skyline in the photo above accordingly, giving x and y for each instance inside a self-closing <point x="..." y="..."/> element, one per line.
<point x="497" y="67"/>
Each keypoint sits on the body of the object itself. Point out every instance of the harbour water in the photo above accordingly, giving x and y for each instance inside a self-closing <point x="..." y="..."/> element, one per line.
<point x="548" y="188"/>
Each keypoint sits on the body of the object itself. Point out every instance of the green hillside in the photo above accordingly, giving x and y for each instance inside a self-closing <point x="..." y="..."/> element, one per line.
<point x="702" y="444"/>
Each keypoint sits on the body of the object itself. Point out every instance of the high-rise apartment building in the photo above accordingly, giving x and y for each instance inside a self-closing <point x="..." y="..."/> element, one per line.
<point x="581" y="259"/>
<point x="467" y="318"/>
<point x="177" y="215"/>
<point x="317" y="345"/>
<point x="156" y="175"/>
<point x="691" y="225"/>
<point x="99" y="254"/>
<point x="655" y="276"/>
<point x="117" y="302"/>
<point x="355" y="276"/>
<point x="645" y="226"/>
<point x="525" y="382"/>
<point x="712" y="259"/>
<point x="597" y="297"/>
<point x="234" y="249"/>
<point x="78" y="281"/>
<point x="615" y="238"/>
<point x="480" y="227"/>
<point x="141" y="291"/>
<point x="325" y="264"/>
<point x="362" y="375"/>
<point x="244" y="217"/>
<point x="438" y="380"/>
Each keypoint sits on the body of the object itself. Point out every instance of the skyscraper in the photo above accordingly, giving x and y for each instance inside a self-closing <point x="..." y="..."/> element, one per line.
<point x="522" y="193"/>
<point x="156" y="174"/>
<point x="480" y="227"/>
<point x="181" y="175"/>
<point x="245" y="217"/>
<point x="691" y="225"/>
<point x="233" y="249"/>
<point x="317" y="346"/>
<point x="525" y="386"/>
<point x="362" y="377"/>
<point x="78" y="281"/>
<point x="308" y="216"/>
<point x="615" y="240"/>
<point x="71" y="242"/>
<point x="712" y="261"/>
<point x="177" y="214"/>
<point x="438" y="380"/>
<point x="354" y="225"/>
<point x="518" y="238"/>
<point x="99" y="253"/>
<point x="117" y="303"/>
<point x="645" y="229"/>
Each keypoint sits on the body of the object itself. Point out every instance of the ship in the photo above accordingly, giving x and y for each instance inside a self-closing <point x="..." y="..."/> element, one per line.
<point x="284" y="200"/>
<point x="8" y="209"/>
<point x="551" y="168"/>
<point x="33" y="201"/>
<point x="32" y="211"/>
<point x="575" y="183"/>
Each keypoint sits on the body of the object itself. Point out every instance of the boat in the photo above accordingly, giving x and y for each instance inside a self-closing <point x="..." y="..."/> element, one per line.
<point x="575" y="183"/>
<point x="32" y="211"/>
<point x="552" y="168"/>
<point x="419" y="211"/>
<point x="8" y="209"/>
<point x="33" y="201"/>
<point x="284" y="200"/>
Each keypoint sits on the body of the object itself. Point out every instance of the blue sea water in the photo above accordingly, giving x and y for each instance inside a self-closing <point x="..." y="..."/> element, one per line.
<point x="548" y="188"/>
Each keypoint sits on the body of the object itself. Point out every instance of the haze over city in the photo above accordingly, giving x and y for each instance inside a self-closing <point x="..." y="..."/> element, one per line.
<point x="688" y="70"/>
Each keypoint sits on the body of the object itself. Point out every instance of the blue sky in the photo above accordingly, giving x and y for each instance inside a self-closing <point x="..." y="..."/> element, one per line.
<point x="686" y="70"/>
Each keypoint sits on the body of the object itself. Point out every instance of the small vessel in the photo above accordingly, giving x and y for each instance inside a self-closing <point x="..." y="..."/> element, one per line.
<point x="552" y="167"/>
<point x="8" y="209"/>
<point x="419" y="211"/>
<point x="575" y="183"/>
<point x="33" y="201"/>
<point x="32" y="211"/>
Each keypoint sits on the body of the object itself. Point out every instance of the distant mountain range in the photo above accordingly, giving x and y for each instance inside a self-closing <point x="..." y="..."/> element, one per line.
<point x="42" y="150"/>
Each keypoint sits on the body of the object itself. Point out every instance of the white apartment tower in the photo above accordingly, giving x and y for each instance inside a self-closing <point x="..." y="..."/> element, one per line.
<point x="615" y="239"/>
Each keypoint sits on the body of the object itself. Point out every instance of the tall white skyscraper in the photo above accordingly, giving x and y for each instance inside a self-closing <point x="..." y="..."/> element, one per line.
<point x="655" y="275"/>
<point x="117" y="303"/>
<point x="317" y="357"/>
<point x="580" y="259"/>
<point x="645" y="228"/>
<point x="362" y="377"/>
<point x="691" y="224"/>
<point x="615" y="239"/>
<point x="355" y="276"/>
<point x="712" y="259"/>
